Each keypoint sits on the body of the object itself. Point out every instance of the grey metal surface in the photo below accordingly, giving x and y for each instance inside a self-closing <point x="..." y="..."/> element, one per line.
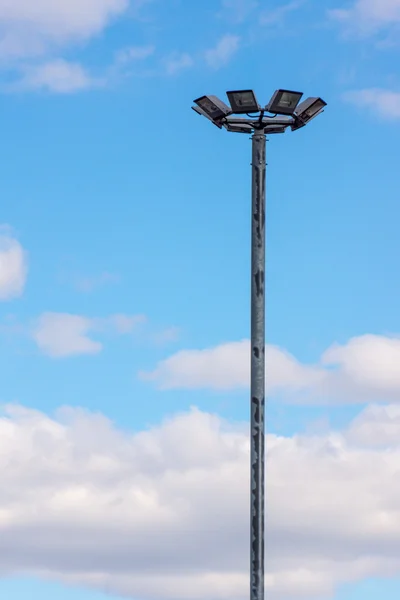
<point x="257" y="385"/>
<point x="261" y="126"/>
<point x="265" y="120"/>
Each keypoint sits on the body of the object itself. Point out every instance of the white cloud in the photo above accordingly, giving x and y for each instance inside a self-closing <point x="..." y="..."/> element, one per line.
<point x="368" y="16"/>
<point x="178" y="62"/>
<point x="41" y="30"/>
<point x="222" y="367"/>
<point x="165" y="336"/>
<point x="237" y="10"/>
<point x="227" y="367"/>
<point x="365" y="368"/>
<point x="163" y="513"/>
<point x="125" y="323"/>
<point x="134" y="53"/>
<point x="13" y="266"/>
<point x="59" y="335"/>
<point x="89" y="284"/>
<point x="32" y="28"/>
<point x="276" y="16"/>
<point x="368" y="361"/>
<point x="385" y="103"/>
<point x="57" y="76"/>
<point x="377" y="426"/>
<point x="222" y="53"/>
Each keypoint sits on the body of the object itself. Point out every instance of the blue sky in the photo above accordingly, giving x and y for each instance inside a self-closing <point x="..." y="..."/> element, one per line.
<point x="124" y="298"/>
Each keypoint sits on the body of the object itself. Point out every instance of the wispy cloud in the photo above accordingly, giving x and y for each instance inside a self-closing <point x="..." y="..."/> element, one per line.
<point x="35" y="28"/>
<point x="122" y="323"/>
<point x="385" y="103"/>
<point x="133" y="53"/>
<point x="277" y="15"/>
<point x="368" y="16"/>
<point x="237" y="11"/>
<point x="178" y="61"/>
<point x="13" y="265"/>
<point x="57" y="76"/>
<point x="166" y="336"/>
<point x="224" y="50"/>
<point x="34" y="33"/>
<point x="60" y="335"/>
<point x="91" y="283"/>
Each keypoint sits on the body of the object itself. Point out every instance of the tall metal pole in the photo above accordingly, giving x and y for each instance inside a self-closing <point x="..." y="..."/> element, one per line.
<point x="257" y="385"/>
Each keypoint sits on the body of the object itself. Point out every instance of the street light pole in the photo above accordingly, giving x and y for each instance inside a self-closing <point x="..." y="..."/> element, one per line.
<point x="284" y="103"/>
<point x="257" y="384"/>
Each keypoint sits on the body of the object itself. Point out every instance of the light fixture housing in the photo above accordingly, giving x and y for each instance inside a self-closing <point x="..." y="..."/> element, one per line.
<point x="275" y="129"/>
<point x="238" y="127"/>
<point x="297" y="125"/>
<point x="294" y="114"/>
<point x="309" y="109"/>
<point x="284" y="102"/>
<point x="243" y="101"/>
<point x="201" y="112"/>
<point x="214" y="108"/>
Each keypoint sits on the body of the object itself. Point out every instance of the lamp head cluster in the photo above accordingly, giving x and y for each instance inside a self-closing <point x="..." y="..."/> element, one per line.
<point x="285" y="103"/>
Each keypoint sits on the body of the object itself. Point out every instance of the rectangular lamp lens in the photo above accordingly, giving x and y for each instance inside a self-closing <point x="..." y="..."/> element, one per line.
<point x="245" y="100"/>
<point x="209" y="107"/>
<point x="288" y="100"/>
<point x="316" y="107"/>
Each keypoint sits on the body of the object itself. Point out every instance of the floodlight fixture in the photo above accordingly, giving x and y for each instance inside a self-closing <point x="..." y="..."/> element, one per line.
<point x="275" y="129"/>
<point x="309" y="109"/>
<point x="284" y="102"/>
<point x="201" y="112"/>
<point x="238" y="127"/>
<point x="243" y="101"/>
<point x="298" y="124"/>
<point x="215" y="109"/>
